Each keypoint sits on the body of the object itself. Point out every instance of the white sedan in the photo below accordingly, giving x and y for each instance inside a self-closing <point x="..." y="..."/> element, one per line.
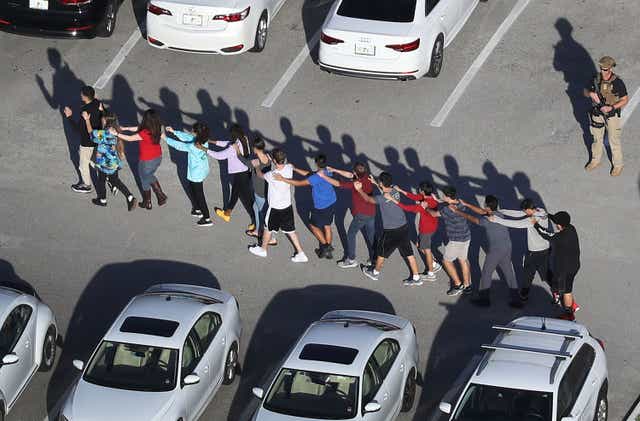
<point x="350" y="364"/>
<point x="163" y="359"/>
<point x="27" y="342"/>
<point x="210" y="26"/>
<point x="390" y="39"/>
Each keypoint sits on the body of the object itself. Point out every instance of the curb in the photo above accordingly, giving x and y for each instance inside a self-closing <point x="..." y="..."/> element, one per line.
<point x="634" y="413"/>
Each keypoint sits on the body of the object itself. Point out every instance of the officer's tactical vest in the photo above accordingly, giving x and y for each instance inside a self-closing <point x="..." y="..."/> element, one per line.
<point x="605" y="88"/>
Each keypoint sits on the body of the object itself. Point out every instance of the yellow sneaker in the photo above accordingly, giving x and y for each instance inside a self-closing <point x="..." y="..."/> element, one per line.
<point x="251" y="227"/>
<point x="616" y="171"/>
<point x="224" y="215"/>
<point x="592" y="165"/>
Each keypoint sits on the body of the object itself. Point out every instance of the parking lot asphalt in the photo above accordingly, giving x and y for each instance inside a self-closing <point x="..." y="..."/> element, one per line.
<point x="517" y="130"/>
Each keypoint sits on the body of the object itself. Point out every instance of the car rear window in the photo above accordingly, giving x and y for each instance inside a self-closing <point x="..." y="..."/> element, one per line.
<point x="328" y="353"/>
<point x="149" y="326"/>
<point x="383" y="10"/>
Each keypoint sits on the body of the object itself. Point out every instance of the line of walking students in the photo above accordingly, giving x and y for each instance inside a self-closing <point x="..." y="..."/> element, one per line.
<point x="262" y="182"/>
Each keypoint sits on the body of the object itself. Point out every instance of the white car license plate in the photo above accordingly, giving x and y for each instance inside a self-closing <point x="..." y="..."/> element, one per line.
<point x="195" y="20"/>
<point x="365" y="49"/>
<point x="39" y="4"/>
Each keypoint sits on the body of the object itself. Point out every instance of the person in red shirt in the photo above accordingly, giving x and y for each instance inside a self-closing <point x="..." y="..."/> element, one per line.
<point x="425" y="205"/>
<point x="148" y="135"/>
<point x="363" y="212"/>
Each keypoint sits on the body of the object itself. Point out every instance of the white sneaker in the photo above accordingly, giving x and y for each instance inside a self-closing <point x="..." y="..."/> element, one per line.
<point x="347" y="263"/>
<point x="429" y="276"/>
<point x="258" y="251"/>
<point x="437" y="267"/>
<point x="299" y="258"/>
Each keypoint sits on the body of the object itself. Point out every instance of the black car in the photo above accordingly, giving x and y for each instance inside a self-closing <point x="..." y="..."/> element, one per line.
<point x="59" y="18"/>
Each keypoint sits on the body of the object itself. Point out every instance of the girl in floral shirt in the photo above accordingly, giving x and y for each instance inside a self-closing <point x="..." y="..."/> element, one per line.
<point x="109" y="155"/>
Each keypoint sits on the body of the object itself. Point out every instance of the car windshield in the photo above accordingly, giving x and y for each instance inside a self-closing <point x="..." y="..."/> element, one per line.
<point x="133" y="367"/>
<point x="383" y="10"/>
<point x="313" y="395"/>
<point x="492" y="403"/>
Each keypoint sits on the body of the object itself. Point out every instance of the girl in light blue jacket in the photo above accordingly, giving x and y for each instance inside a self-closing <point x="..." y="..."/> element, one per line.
<point x="198" y="166"/>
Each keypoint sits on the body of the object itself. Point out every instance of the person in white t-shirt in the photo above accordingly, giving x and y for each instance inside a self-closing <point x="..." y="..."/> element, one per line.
<point x="280" y="212"/>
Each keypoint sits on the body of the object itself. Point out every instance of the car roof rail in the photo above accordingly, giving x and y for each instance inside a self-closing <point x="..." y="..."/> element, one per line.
<point x="178" y="293"/>
<point x="527" y="349"/>
<point x="573" y="334"/>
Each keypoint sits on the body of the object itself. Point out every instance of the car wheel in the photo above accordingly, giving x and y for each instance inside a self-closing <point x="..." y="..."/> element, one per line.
<point x="602" y="407"/>
<point x="437" y="57"/>
<point x="262" y="31"/>
<point x="48" y="350"/>
<point x="409" y="394"/>
<point x="1" y="412"/>
<point x="109" y="22"/>
<point x="230" y="365"/>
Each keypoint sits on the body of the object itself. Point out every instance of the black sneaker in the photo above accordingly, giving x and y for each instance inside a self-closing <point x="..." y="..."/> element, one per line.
<point x="196" y="213"/>
<point x="81" y="188"/>
<point x="524" y="294"/>
<point x="205" y="222"/>
<point x="455" y="290"/>
<point x="321" y="251"/>
<point x="131" y="203"/>
<point x="327" y="253"/>
<point x="99" y="202"/>
<point x="467" y="290"/>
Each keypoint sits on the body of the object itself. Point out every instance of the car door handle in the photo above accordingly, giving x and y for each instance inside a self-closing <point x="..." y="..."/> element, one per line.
<point x="206" y="369"/>
<point x="442" y="17"/>
<point x="385" y="396"/>
<point x="27" y="343"/>
<point x="402" y="368"/>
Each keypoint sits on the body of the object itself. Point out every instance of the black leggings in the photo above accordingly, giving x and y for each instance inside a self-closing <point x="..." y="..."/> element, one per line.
<point x="114" y="180"/>
<point x="241" y="188"/>
<point x="198" y="201"/>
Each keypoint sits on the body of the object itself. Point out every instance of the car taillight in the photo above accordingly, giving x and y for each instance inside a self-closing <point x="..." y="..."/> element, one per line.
<point x="234" y="17"/>
<point x="158" y="10"/>
<point x="330" y="40"/>
<point x="4" y="22"/>
<point x="403" y="48"/>
<point x="601" y="342"/>
<point x="74" y="2"/>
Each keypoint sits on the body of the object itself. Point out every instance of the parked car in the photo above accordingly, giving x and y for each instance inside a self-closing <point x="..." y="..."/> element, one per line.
<point x="348" y="365"/>
<point x="400" y="39"/>
<point x="212" y="26"/>
<point x="28" y="335"/>
<point x="537" y="369"/>
<point x="163" y="359"/>
<point x="60" y="18"/>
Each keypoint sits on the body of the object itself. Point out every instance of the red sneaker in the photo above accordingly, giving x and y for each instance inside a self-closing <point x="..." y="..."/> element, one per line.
<point x="575" y="307"/>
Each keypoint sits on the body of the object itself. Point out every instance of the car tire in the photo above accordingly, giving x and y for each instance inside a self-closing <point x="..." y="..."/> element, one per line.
<point x="437" y="57"/>
<point x="49" y="349"/>
<point x="108" y="24"/>
<point x="602" y="406"/>
<point x="409" y="393"/>
<point x="262" y="31"/>
<point x="1" y="411"/>
<point x="230" y="365"/>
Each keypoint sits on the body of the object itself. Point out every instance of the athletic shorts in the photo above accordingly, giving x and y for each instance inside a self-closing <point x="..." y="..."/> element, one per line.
<point x="280" y="220"/>
<point x="424" y="241"/>
<point x="322" y="217"/>
<point x="563" y="282"/>
<point x="395" y="239"/>
<point x="455" y="250"/>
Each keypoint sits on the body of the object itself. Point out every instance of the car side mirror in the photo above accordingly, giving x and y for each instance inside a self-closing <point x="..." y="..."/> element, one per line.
<point x="445" y="407"/>
<point x="78" y="364"/>
<point x="10" y="359"/>
<point x="372" y="406"/>
<point x="191" y="379"/>
<point x="258" y="392"/>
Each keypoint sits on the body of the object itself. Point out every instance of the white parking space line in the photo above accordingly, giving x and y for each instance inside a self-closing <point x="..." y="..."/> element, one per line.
<point x="477" y="63"/>
<point x="118" y="59"/>
<point x="291" y="71"/>
<point x="631" y="105"/>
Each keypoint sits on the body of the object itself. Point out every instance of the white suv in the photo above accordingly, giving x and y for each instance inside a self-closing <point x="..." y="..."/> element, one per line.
<point x="537" y="369"/>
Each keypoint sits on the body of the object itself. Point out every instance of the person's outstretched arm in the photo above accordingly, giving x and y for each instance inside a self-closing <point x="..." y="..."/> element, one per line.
<point x="332" y="181"/>
<point x="470" y="218"/>
<point x="296" y="183"/>
<point x="473" y="208"/>
<point x="358" y="186"/>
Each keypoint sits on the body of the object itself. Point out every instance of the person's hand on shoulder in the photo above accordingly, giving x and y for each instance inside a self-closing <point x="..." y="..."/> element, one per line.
<point x="86" y="115"/>
<point x="357" y="185"/>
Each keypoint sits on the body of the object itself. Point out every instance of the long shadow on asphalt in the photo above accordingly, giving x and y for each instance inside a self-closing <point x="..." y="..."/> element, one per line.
<point x="463" y="330"/>
<point x="102" y="300"/>
<point x="284" y="319"/>
<point x="574" y="61"/>
<point x="9" y="278"/>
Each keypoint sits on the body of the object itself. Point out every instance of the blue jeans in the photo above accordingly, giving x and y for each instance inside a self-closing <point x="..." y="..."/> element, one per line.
<point x="258" y="208"/>
<point x="357" y="224"/>
<point x="146" y="171"/>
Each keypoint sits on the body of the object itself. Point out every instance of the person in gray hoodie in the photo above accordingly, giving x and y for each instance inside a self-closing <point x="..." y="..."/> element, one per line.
<point x="537" y="257"/>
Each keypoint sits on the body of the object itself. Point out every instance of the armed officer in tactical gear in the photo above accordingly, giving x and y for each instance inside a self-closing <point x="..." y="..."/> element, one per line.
<point x="608" y="95"/>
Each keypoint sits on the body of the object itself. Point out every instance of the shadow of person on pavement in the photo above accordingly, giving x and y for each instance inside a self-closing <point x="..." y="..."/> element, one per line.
<point x="283" y="320"/>
<point x="65" y="91"/>
<point x="459" y="337"/>
<point x="102" y="300"/>
<point x="577" y="66"/>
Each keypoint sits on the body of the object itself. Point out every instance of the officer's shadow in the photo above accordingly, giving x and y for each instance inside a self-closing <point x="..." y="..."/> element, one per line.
<point x="574" y="61"/>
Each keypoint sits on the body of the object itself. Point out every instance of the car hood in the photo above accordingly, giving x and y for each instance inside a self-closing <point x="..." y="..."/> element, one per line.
<point x="266" y="415"/>
<point x="97" y="403"/>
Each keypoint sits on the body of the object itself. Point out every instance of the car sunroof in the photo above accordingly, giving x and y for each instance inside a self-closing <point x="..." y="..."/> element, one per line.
<point x="149" y="326"/>
<point x="328" y="353"/>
